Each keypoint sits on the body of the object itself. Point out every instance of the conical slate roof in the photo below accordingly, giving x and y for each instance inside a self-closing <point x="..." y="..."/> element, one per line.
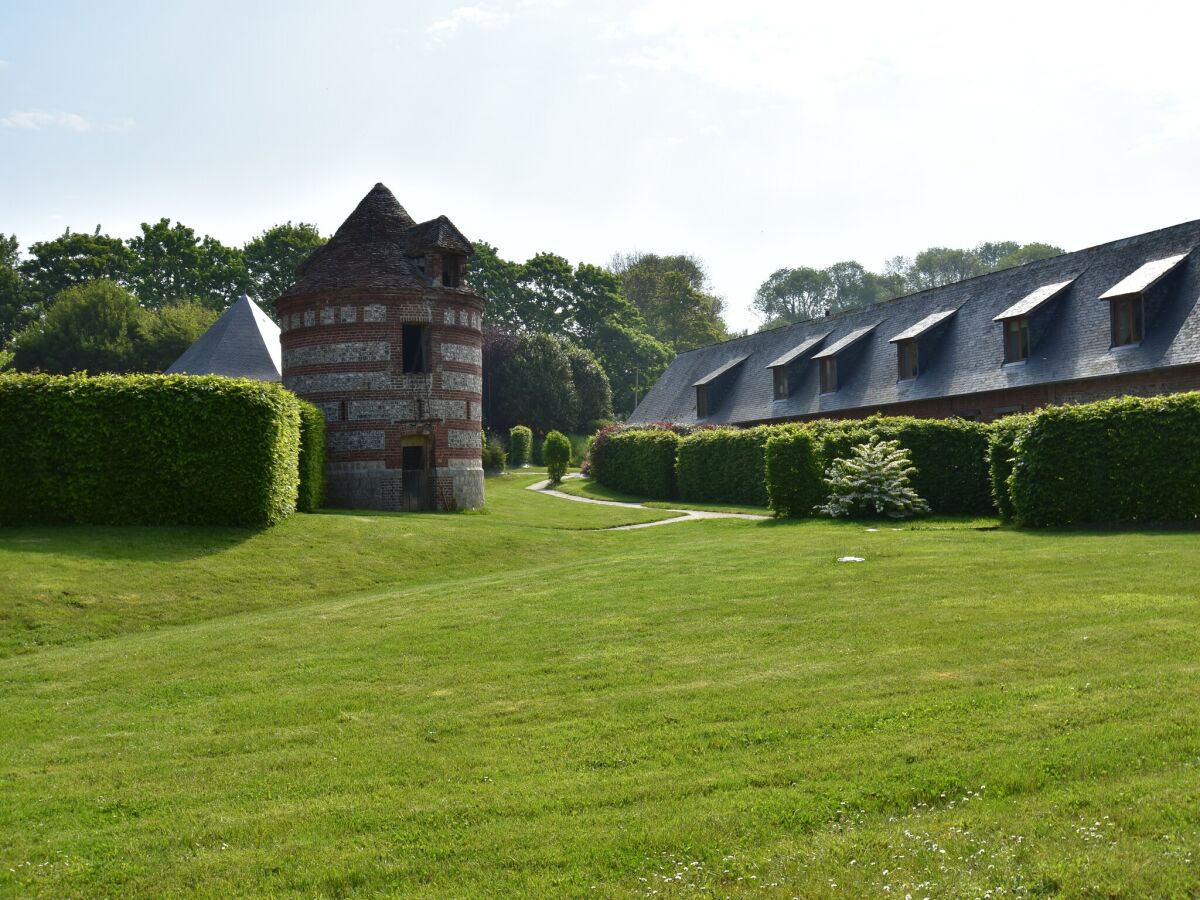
<point x="243" y="343"/>
<point x="377" y="247"/>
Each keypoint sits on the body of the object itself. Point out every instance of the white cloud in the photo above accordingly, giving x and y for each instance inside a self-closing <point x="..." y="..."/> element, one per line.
<point x="38" y="119"/>
<point x="478" y="16"/>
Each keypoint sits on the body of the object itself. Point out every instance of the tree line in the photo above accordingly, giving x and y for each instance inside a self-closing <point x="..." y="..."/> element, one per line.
<point x="88" y="300"/>
<point x="803" y="293"/>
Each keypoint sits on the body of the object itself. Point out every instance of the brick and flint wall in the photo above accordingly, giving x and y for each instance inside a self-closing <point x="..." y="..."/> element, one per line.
<point x="342" y="351"/>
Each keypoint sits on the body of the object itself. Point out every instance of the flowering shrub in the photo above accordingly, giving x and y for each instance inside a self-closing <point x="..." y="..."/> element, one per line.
<point x="873" y="481"/>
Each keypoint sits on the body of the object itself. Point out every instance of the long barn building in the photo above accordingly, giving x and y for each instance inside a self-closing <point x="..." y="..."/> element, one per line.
<point x="1121" y="318"/>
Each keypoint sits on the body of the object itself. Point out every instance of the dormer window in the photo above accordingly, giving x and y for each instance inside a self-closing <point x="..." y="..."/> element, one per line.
<point x="713" y="386"/>
<point x="451" y="271"/>
<point x="1126" y="299"/>
<point x="784" y="369"/>
<point x="908" y="359"/>
<point x="701" y="401"/>
<point x="781" y="383"/>
<point x="829" y="375"/>
<point x="1126" y="314"/>
<point x="1016" y="339"/>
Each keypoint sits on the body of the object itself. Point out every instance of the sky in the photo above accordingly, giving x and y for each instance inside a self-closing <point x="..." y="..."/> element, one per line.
<point x="754" y="135"/>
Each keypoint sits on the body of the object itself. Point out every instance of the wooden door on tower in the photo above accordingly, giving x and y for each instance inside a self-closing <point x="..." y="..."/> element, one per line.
<point x="414" y="466"/>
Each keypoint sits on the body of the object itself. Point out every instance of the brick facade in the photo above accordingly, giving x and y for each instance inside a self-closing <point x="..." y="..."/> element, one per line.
<point x="343" y="351"/>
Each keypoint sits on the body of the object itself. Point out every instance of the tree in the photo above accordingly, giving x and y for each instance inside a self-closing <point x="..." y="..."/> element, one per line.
<point x="174" y="264"/>
<point x="528" y="381"/>
<point x="592" y="388"/>
<point x="272" y="258"/>
<point x="547" y="283"/>
<point x="1028" y="253"/>
<point x="632" y="359"/>
<point x="92" y="326"/>
<point x="671" y="292"/>
<point x="938" y="266"/>
<point x="794" y="295"/>
<point x="74" y="258"/>
<point x="500" y="281"/>
<point x="10" y="251"/>
<point x="15" y="309"/>
<point x="990" y="253"/>
<point x="556" y="454"/>
<point x="165" y="333"/>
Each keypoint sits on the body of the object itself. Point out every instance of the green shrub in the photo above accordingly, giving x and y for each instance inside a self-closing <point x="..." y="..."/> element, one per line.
<point x="556" y="451"/>
<point x="1125" y="460"/>
<point x="950" y="456"/>
<point x="793" y="472"/>
<point x="494" y="457"/>
<point x="1002" y="435"/>
<point x="147" y="450"/>
<point x="724" y="465"/>
<point x="520" y="445"/>
<point x="638" y="461"/>
<point x="311" y="495"/>
<point x="579" y="447"/>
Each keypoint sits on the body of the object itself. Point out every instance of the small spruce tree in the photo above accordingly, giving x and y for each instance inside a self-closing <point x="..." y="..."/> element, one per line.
<point x="873" y="481"/>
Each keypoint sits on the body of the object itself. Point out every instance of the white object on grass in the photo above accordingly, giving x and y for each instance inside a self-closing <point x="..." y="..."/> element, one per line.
<point x="851" y="559"/>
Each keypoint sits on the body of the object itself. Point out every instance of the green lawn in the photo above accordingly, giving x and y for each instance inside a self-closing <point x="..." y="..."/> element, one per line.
<point x="586" y="487"/>
<point x="509" y="703"/>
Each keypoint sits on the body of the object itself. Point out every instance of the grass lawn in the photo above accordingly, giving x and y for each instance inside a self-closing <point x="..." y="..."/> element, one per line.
<point x="516" y="703"/>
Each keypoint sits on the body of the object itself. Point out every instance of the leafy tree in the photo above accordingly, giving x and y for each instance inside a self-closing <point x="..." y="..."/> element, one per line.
<point x="1028" y="253"/>
<point x="942" y="265"/>
<point x="671" y="292"/>
<point x="500" y="281"/>
<point x="528" y="381"/>
<point x="592" y="388"/>
<point x="547" y="283"/>
<point x="75" y="258"/>
<point x="10" y="251"/>
<point x="16" y="310"/>
<point x="173" y="264"/>
<point x="990" y="253"/>
<point x="165" y="333"/>
<point x="93" y="326"/>
<point x="272" y="258"/>
<point x="632" y="359"/>
<point x="794" y="295"/>
<point x="875" y="480"/>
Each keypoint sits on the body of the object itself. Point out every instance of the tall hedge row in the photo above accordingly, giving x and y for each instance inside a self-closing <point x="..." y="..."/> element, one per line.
<point x="950" y="456"/>
<point x="794" y="471"/>
<point x="311" y="494"/>
<point x="1002" y="438"/>
<point x="1125" y="460"/>
<point x="723" y="465"/>
<point x="147" y="449"/>
<point x="640" y="462"/>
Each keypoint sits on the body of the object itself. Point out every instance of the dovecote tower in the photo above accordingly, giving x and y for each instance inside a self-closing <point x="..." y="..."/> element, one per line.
<point x="381" y="332"/>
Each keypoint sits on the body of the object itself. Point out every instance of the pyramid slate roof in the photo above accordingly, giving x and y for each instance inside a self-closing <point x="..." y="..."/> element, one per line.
<point x="379" y="246"/>
<point x="243" y="343"/>
<point x="1073" y="342"/>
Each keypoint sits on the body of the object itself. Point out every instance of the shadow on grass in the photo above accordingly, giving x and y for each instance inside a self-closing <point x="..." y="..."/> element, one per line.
<point x="167" y="543"/>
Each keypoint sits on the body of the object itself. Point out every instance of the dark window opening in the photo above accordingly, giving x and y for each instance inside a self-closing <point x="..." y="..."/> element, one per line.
<point x="701" y="401"/>
<point x="1001" y="411"/>
<point x="414" y="348"/>
<point x="412" y="458"/>
<point x="828" y="375"/>
<point x="451" y="271"/>
<point x="781" y="382"/>
<point x="1126" y="321"/>
<point x="1016" y="339"/>
<point x="970" y="416"/>
<point x="907" y="359"/>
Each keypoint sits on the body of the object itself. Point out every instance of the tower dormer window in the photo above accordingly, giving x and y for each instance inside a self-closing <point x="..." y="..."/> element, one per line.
<point x="451" y="271"/>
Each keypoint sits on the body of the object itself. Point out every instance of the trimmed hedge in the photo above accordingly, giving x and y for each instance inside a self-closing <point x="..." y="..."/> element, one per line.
<point x="556" y="451"/>
<point x="520" y="445"/>
<point x="1002" y="436"/>
<point x="637" y="461"/>
<point x="311" y="494"/>
<point x="794" y="471"/>
<point x="950" y="456"/>
<point x="147" y="450"/>
<point x="724" y="465"/>
<point x="1125" y="460"/>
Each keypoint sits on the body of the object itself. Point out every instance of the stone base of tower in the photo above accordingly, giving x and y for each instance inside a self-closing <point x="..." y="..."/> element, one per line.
<point x="370" y="484"/>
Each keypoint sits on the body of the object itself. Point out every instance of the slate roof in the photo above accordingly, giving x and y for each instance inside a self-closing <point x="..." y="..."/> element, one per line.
<point x="798" y="351"/>
<point x="1073" y="342"/>
<point x="378" y="247"/>
<point x="1031" y="301"/>
<point x="929" y="322"/>
<point x="719" y="371"/>
<point x="243" y="343"/>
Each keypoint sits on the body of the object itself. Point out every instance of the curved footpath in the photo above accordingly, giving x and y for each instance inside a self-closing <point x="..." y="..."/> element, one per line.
<point x="685" y="515"/>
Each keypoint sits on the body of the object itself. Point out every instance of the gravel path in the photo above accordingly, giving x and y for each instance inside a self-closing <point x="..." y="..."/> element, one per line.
<point x="684" y="515"/>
